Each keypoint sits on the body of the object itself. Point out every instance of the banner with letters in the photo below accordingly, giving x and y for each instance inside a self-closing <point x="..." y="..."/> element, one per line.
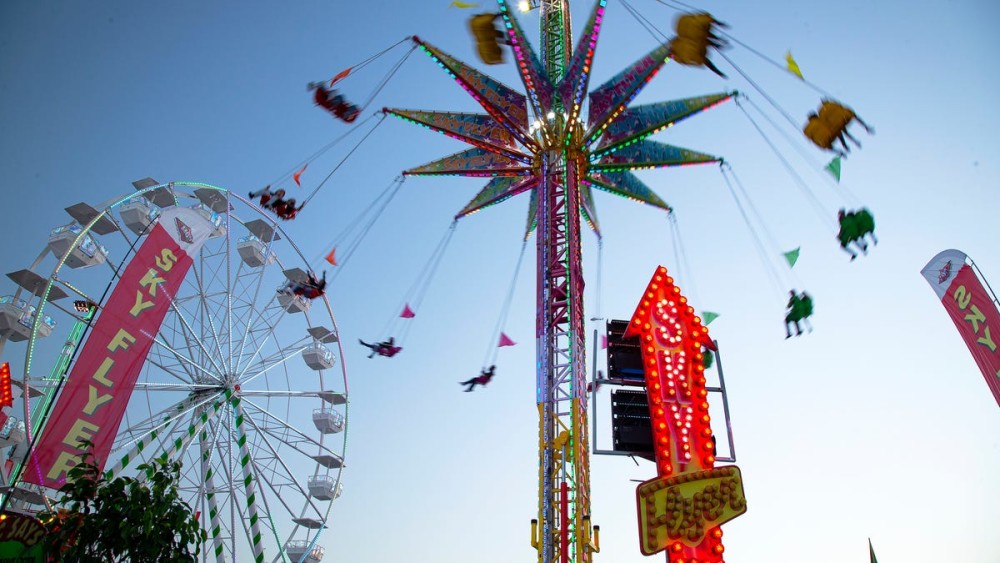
<point x="98" y="389"/>
<point x="972" y="309"/>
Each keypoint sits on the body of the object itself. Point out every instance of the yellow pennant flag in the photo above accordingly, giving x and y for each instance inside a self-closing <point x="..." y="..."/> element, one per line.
<point x="793" y="67"/>
<point x="458" y="4"/>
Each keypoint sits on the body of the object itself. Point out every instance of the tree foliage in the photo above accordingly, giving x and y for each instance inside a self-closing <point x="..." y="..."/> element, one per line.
<point x="134" y="519"/>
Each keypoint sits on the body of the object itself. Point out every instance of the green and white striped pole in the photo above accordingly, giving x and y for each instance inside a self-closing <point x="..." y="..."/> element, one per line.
<point x="146" y="440"/>
<point x="213" y="508"/>
<point x="248" y="482"/>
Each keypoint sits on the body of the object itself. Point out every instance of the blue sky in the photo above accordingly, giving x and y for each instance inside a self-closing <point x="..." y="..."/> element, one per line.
<point x="878" y="424"/>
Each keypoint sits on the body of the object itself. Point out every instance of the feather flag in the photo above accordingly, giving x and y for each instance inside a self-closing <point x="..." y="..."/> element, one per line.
<point x="792" y="256"/>
<point x="793" y="67"/>
<point x="331" y="258"/>
<point x="834" y="168"/>
<point x="505" y="341"/>
<point x="708" y="316"/>
<point x="407" y="312"/>
<point x="298" y="175"/>
<point x="341" y="75"/>
<point x="462" y="4"/>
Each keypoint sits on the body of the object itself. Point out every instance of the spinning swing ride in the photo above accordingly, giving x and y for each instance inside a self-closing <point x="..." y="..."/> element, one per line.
<point x="558" y="159"/>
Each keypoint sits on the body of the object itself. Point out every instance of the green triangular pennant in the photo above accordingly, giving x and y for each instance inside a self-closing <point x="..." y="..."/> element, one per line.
<point x="834" y="168"/>
<point x="707" y="317"/>
<point x="792" y="256"/>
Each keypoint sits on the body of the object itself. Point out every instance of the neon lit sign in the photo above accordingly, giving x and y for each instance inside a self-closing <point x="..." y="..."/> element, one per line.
<point x="681" y="509"/>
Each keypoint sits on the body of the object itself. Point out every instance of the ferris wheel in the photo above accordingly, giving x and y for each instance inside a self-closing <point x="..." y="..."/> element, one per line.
<point x="239" y="380"/>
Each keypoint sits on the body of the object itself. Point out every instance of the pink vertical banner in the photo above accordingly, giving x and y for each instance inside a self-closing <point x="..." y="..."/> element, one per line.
<point x="97" y="391"/>
<point x="971" y="308"/>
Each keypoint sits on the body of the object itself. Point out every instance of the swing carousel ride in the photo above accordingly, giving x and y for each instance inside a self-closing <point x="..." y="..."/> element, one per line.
<point x="558" y="159"/>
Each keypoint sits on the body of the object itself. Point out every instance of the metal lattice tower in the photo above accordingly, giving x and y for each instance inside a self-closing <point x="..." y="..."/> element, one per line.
<point x="563" y="472"/>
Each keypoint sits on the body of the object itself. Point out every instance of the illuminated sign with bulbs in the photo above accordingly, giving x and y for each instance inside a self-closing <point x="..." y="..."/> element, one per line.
<point x="681" y="509"/>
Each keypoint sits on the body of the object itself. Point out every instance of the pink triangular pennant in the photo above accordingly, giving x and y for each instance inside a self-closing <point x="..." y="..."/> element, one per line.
<point x="505" y="341"/>
<point x="298" y="175"/>
<point x="407" y="312"/>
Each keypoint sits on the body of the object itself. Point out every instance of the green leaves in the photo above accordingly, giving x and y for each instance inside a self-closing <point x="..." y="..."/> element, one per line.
<point x="136" y="519"/>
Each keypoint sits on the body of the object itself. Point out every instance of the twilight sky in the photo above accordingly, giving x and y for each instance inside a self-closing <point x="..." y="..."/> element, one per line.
<point x="877" y="424"/>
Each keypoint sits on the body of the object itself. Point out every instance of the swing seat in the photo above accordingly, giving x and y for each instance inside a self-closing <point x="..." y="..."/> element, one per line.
<point x="489" y="52"/>
<point x="487" y="38"/>
<point x="694" y="26"/>
<point x="389" y="351"/>
<point x="348" y="112"/>
<point x="836" y="116"/>
<point x="308" y="291"/>
<point x="820" y="133"/>
<point x="688" y="52"/>
<point x="865" y="222"/>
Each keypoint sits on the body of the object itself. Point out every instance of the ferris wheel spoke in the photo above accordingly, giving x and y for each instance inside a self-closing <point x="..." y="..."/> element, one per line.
<point x="189" y="379"/>
<point x="275" y="361"/>
<point x="229" y="283"/>
<point x="280" y="393"/>
<point x="189" y="387"/>
<point x="257" y="282"/>
<point x="189" y="333"/>
<point x="257" y="340"/>
<point x="238" y="358"/>
<point x="167" y="361"/>
<point x="295" y="437"/>
<point x="274" y="312"/>
<point x="205" y="308"/>
<point x="245" y="287"/>
<point x="278" y="459"/>
<point x="184" y="358"/>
